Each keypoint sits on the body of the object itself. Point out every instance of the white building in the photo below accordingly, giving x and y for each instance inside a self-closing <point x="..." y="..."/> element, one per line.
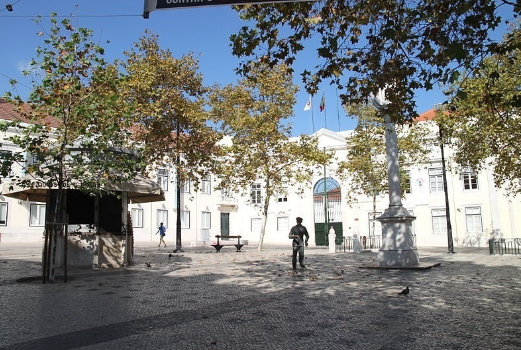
<point x="478" y="210"/>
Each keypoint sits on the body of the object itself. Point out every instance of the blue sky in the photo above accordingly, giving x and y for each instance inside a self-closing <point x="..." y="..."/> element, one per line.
<point x="203" y="31"/>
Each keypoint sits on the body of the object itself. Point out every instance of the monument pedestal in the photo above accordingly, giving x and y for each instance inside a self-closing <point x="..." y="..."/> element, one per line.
<point x="397" y="243"/>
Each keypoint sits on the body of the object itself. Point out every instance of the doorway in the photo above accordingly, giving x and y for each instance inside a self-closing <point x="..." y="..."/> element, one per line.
<point x="225" y="224"/>
<point x="327" y="208"/>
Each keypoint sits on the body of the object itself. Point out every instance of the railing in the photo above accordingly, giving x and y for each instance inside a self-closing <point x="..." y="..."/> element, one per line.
<point x="228" y="200"/>
<point x="504" y="246"/>
<point x="371" y="242"/>
<point x="345" y="244"/>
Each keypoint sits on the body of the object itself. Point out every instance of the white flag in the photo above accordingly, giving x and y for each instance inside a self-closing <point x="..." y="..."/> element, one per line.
<point x="307" y="107"/>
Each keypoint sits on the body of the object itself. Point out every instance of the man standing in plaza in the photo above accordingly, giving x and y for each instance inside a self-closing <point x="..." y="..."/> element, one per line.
<point x="297" y="233"/>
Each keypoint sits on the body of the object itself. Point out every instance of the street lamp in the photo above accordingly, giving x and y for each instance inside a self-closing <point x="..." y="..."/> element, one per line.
<point x="450" y="242"/>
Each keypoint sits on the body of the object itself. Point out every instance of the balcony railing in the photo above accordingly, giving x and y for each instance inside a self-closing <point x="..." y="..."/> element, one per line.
<point x="228" y="200"/>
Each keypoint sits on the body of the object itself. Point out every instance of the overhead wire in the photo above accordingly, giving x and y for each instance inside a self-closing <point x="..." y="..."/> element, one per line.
<point x="59" y="16"/>
<point x="56" y="16"/>
<point x="68" y="16"/>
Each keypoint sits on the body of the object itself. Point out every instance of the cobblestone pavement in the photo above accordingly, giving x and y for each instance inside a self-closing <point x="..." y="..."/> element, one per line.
<point x="200" y="299"/>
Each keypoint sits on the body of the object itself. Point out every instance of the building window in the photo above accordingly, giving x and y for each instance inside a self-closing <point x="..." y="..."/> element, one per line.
<point x="282" y="197"/>
<point x="436" y="180"/>
<point x="256" y="193"/>
<point x="470" y="180"/>
<point x="137" y="217"/>
<point x="256" y="224"/>
<point x="206" y="220"/>
<point x="375" y="226"/>
<point x="206" y="185"/>
<point x="439" y="221"/>
<point x="162" y="179"/>
<point x="283" y="224"/>
<point x="473" y="220"/>
<point x="3" y="214"/>
<point x="185" y="219"/>
<point x="32" y="160"/>
<point x="37" y="215"/>
<point x="226" y="192"/>
<point x="186" y="187"/>
<point x="162" y="217"/>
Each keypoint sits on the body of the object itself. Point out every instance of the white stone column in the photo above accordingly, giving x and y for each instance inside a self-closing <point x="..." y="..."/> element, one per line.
<point x="397" y="244"/>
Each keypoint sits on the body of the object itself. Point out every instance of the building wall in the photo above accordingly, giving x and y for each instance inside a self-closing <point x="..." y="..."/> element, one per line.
<point x="499" y="213"/>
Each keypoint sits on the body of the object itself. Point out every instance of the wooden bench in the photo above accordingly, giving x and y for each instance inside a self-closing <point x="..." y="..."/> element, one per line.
<point x="221" y="244"/>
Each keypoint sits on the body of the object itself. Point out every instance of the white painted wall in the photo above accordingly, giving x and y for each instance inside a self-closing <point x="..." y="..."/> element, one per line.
<point x="500" y="214"/>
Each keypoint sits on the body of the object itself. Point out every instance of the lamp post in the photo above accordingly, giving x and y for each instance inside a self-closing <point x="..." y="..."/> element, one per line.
<point x="178" y="244"/>
<point x="450" y="242"/>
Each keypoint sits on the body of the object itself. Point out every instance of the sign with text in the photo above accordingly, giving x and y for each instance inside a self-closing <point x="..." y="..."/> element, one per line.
<point x="152" y="5"/>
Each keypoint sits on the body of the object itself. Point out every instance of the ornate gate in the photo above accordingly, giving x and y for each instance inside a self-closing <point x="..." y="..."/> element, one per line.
<point x="327" y="208"/>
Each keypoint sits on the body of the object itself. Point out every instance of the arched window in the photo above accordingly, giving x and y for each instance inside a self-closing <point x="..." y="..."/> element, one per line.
<point x="327" y="194"/>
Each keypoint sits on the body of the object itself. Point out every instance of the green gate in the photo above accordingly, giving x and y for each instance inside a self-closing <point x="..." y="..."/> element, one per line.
<point x="321" y="237"/>
<point x="327" y="208"/>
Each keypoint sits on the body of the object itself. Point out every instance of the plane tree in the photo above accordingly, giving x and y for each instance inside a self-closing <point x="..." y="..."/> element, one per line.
<point x="167" y="97"/>
<point x="482" y="121"/>
<point x="255" y="115"/>
<point x="72" y="131"/>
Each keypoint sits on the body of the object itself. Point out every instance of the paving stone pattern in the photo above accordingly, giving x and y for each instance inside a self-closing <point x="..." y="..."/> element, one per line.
<point x="200" y="299"/>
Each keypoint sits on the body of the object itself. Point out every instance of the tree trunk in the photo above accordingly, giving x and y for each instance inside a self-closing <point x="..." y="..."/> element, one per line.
<point x="264" y="221"/>
<point x="373" y="224"/>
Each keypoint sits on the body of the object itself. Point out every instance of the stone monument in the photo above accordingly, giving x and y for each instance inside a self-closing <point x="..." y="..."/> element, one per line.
<point x="397" y="244"/>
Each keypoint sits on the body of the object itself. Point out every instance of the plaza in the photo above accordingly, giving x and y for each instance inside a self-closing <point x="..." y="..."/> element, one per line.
<point x="200" y="299"/>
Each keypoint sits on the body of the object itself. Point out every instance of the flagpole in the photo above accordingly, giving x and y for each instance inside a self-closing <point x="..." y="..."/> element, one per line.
<point x="337" y="110"/>
<point x="323" y="108"/>
<point x="312" y="119"/>
<point x="309" y="105"/>
<point x="325" y="112"/>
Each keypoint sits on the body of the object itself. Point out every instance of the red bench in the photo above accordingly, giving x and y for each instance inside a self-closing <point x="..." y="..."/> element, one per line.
<point x="221" y="244"/>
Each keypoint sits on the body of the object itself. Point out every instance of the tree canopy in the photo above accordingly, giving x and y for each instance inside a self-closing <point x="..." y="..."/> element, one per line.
<point x="365" y="45"/>
<point x="73" y="125"/>
<point x="483" y="123"/>
<point x="167" y="98"/>
<point x="73" y="129"/>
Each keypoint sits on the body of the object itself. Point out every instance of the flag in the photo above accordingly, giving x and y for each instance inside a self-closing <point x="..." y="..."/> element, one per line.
<point x="322" y="104"/>
<point x="307" y="107"/>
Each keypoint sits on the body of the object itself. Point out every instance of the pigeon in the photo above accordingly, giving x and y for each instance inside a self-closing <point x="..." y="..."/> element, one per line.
<point x="405" y="291"/>
<point x="148" y="265"/>
<point x="170" y="255"/>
